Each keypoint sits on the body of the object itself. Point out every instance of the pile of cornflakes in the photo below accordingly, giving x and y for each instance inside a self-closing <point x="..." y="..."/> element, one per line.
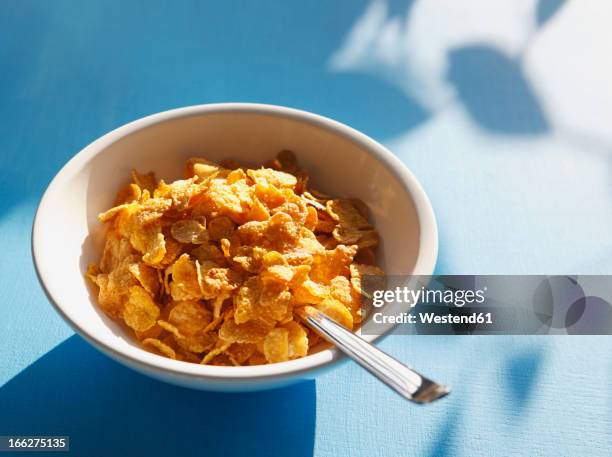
<point x="211" y="268"/>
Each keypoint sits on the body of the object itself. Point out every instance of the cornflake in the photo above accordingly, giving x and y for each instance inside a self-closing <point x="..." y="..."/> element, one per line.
<point x="212" y="268"/>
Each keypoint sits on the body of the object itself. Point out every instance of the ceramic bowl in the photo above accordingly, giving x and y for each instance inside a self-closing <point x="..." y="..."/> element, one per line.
<point x="343" y="162"/>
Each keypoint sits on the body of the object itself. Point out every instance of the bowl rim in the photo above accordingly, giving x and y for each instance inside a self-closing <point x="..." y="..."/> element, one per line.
<point x="425" y="263"/>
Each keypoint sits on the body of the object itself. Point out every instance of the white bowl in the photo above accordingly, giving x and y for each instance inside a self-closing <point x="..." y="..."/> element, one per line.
<point x="67" y="236"/>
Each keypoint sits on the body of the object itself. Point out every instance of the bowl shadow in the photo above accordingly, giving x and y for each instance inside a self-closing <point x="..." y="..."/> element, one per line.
<point x="107" y="409"/>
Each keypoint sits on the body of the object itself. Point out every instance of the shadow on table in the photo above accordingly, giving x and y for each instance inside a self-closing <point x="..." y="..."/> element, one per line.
<point x="522" y="375"/>
<point x="106" y="408"/>
<point x="495" y="92"/>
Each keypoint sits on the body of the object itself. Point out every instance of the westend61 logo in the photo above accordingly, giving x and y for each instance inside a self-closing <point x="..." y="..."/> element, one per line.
<point x="488" y="304"/>
<point x="411" y="297"/>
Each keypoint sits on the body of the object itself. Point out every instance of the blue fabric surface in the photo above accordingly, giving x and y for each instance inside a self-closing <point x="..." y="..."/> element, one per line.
<point x="517" y="188"/>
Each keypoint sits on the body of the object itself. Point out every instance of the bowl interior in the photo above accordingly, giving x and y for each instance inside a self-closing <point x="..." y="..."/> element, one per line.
<point x="71" y="236"/>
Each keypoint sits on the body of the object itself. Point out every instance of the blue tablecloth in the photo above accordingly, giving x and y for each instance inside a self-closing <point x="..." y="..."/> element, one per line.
<point x="502" y="110"/>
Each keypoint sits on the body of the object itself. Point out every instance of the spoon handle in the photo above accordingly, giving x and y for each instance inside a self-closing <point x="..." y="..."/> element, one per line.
<point x="404" y="380"/>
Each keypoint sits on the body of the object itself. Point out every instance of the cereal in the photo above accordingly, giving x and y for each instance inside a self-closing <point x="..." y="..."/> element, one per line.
<point x="208" y="252"/>
<point x="278" y="179"/>
<point x="359" y="270"/>
<point x="331" y="263"/>
<point x="140" y="312"/>
<point x="201" y="168"/>
<point x="174" y="249"/>
<point x="220" y="227"/>
<point x="239" y="353"/>
<point x="146" y="276"/>
<point x="352" y="224"/>
<point x="252" y="331"/>
<point x="116" y="249"/>
<point x="297" y="340"/>
<point x="337" y="311"/>
<point x="189" y="317"/>
<point x="215" y="268"/>
<point x="180" y="192"/>
<point x="128" y="194"/>
<point x="185" y="284"/>
<point x="215" y="282"/>
<point x="114" y="287"/>
<point x="189" y="231"/>
<point x="161" y="347"/>
<point x="276" y="345"/>
<point x="144" y="181"/>
<point x="342" y="290"/>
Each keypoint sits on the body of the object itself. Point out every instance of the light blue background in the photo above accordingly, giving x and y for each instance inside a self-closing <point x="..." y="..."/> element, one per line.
<point x="515" y="191"/>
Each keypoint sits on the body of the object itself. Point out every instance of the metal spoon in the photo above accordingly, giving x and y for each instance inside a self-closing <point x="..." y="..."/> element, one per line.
<point x="404" y="380"/>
